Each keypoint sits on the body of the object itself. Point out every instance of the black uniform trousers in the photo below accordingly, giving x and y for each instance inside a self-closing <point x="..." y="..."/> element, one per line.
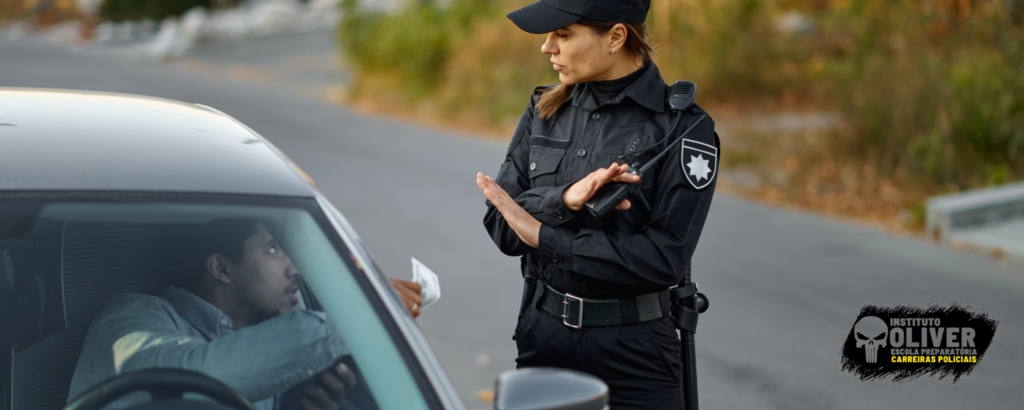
<point x="641" y="363"/>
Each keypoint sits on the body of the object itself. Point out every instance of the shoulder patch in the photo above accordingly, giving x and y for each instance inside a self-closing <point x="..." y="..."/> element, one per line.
<point x="699" y="162"/>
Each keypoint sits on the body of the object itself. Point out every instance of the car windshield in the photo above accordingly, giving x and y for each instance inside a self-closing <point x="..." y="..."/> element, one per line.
<point x="259" y="293"/>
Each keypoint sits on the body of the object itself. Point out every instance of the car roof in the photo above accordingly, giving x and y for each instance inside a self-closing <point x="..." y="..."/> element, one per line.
<point x="67" y="140"/>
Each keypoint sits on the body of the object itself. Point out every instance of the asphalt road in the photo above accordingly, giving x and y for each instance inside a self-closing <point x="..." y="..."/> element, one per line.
<point x="785" y="288"/>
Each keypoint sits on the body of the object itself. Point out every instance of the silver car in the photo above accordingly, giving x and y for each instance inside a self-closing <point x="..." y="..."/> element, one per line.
<point x="89" y="182"/>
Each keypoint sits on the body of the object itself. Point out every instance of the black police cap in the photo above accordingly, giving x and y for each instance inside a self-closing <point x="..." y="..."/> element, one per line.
<point x="549" y="15"/>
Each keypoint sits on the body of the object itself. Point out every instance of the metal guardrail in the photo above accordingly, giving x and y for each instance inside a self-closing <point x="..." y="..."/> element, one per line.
<point x="948" y="214"/>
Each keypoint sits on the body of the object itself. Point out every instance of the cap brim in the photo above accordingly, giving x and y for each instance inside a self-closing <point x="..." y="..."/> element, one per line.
<point x="540" y="18"/>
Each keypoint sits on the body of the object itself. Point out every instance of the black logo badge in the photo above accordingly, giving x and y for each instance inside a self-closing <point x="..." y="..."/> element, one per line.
<point x="906" y="342"/>
<point x="700" y="161"/>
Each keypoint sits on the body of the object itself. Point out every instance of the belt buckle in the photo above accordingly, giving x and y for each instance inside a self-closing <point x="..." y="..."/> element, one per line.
<point x="565" y="311"/>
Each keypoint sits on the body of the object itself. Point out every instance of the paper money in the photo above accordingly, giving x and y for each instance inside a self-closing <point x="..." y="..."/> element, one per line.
<point x="431" y="289"/>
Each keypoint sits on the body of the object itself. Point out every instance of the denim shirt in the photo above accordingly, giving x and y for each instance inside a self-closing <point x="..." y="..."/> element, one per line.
<point x="136" y="331"/>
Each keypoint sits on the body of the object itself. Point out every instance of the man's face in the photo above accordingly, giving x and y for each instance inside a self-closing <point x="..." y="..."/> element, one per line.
<point x="264" y="280"/>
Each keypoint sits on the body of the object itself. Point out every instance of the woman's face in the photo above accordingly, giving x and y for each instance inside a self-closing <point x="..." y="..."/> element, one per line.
<point x="578" y="54"/>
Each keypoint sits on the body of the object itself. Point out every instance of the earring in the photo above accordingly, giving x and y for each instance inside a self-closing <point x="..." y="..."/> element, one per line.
<point x="613" y="51"/>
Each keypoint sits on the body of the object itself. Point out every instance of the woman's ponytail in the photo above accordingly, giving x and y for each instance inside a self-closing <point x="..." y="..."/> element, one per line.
<point x="552" y="100"/>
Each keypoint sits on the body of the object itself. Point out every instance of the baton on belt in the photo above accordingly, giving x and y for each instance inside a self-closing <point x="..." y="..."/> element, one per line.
<point x="687" y="304"/>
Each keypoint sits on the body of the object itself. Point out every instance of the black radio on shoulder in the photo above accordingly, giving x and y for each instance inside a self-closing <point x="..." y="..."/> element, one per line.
<point x="681" y="98"/>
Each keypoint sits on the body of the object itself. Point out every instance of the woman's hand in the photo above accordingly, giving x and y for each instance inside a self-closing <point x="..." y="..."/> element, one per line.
<point x="579" y="193"/>
<point x="411" y="294"/>
<point x="524" y="224"/>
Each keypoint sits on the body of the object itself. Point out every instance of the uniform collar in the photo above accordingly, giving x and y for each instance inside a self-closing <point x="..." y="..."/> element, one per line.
<point x="205" y="317"/>
<point x="648" y="90"/>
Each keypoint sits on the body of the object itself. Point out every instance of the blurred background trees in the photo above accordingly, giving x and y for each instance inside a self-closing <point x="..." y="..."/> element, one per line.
<point x="920" y="97"/>
<point x="932" y="90"/>
<point x="48" y="10"/>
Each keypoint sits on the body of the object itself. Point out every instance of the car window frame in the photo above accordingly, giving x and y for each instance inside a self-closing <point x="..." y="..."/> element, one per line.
<point x="355" y="257"/>
<point x="445" y="394"/>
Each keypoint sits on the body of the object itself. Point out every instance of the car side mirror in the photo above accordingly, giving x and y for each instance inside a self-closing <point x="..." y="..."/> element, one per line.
<point x="541" y="388"/>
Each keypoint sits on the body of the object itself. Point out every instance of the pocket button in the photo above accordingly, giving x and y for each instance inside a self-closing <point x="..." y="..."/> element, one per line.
<point x="533" y="166"/>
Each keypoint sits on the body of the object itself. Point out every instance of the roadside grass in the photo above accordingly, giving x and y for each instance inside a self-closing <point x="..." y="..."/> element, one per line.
<point x="57" y="11"/>
<point x="458" y="65"/>
<point x="798" y="170"/>
<point x="930" y="93"/>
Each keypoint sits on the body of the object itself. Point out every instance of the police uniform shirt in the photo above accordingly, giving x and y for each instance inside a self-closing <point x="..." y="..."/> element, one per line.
<point x="623" y="253"/>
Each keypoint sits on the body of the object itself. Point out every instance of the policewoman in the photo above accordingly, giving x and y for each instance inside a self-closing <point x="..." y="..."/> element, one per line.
<point x="596" y="295"/>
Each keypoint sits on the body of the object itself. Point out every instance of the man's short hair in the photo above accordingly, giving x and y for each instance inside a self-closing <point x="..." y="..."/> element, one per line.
<point x="189" y="246"/>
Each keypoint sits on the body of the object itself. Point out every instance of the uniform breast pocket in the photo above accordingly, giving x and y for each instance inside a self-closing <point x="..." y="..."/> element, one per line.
<point x="638" y="150"/>
<point x="545" y="155"/>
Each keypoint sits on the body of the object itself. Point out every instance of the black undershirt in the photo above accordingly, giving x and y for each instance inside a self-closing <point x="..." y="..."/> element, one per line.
<point x="606" y="90"/>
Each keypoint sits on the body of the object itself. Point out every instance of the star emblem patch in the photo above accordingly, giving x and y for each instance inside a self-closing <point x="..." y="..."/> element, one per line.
<point x="700" y="162"/>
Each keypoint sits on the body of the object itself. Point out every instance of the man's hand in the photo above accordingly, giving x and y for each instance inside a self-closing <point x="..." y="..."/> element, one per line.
<point x="579" y="193"/>
<point x="411" y="293"/>
<point x="524" y="224"/>
<point x="327" y="391"/>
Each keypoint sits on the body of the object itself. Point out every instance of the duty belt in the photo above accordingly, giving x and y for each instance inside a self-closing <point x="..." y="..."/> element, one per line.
<point x="577" y="312"/>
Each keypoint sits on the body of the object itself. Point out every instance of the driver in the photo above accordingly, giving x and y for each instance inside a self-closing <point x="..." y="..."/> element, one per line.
<point x="228" y="314"/>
